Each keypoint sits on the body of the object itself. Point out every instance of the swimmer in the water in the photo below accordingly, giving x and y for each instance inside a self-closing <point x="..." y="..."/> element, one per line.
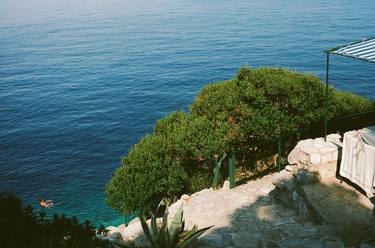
<point x="46" y="203"/>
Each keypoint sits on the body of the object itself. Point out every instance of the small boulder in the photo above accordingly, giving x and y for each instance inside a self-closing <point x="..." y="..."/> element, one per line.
<point x="136" y="220"/>
<point x="112" y="229"/>
<point x="291" y="168"/>
<point x="226" y="184"/>
<point x="334" y="138"/>
<point x="284" y="180"/>
<point x="185" y="199"/>
<point x="293" y="157"/>
<point x="132" y="231"/>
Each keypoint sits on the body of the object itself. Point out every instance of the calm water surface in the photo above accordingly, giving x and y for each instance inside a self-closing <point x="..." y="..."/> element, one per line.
<point x="81" y="81"/>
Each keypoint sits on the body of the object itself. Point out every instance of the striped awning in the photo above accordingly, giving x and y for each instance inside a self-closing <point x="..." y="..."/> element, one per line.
<point x="363" y="50"/>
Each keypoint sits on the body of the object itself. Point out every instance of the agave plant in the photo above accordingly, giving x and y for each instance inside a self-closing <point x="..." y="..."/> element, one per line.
<point x="172" y="235"/>
<point x="102" y="231"/>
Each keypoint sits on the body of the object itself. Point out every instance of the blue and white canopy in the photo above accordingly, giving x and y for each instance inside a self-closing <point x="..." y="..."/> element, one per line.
<point x="363" y="50"/>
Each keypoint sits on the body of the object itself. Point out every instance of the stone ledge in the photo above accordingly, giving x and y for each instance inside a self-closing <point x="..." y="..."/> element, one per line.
<point x="316" y="151"/>
<point x="289" y="191"/>
<point x="314" y="190"/>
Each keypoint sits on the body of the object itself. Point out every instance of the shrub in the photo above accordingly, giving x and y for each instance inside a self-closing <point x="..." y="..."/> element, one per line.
<point x="257" y="104"/>
<point x="149" y="173"/>
<point x="22" y="227"/>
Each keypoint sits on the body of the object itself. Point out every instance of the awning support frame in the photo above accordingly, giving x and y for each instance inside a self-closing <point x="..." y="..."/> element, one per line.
<point x="365" y="46"/>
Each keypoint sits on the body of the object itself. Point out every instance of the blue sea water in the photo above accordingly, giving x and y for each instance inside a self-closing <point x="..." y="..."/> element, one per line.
<point x="82" y="81"/>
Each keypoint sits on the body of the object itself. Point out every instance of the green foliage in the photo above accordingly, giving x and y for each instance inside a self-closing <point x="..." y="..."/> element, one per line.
<point x="148" y="174"/>
<point x="258" y="104"/>
<point x="344" y="102"/>
<point x="102" y="230"/>
<point x="172" y="236"/>
<point x="21" y="227"/>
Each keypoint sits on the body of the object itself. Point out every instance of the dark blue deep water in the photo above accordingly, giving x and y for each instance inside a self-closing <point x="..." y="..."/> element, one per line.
<point x="83" y="80"/>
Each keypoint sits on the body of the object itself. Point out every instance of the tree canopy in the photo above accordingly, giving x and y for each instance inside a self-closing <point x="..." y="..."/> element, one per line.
<point x="256" y="105"/>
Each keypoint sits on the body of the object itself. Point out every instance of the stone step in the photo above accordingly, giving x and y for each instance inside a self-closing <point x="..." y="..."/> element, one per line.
<point x="344" y="208"/>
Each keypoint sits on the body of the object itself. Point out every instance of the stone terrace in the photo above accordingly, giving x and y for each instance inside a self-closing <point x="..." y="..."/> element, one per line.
<point x="247" y="216"/>
<point x="304" y="205"/>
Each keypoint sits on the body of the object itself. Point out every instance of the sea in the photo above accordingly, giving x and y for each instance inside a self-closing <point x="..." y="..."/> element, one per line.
<point x="81" y="81"/>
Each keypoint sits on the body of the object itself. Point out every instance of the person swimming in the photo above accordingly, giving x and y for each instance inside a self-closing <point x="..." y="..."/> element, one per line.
<point x="46" y="203"/>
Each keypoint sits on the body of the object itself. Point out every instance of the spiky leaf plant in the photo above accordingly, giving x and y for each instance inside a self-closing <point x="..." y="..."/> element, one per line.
<point x="172" y="235"/>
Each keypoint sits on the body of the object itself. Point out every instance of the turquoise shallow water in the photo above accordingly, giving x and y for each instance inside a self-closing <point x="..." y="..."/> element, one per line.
<point x="81" y="81"/>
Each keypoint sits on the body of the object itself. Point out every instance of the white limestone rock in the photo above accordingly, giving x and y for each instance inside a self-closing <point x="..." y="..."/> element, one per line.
<point x="327" y="157"/>
<point x="132" y="231"/>
<point x="173" y="208"/>
<point x="315" y="158"/>
<point x="122" y="227"/>
<point x="134" y="234"/>
<point x="284" y="180"/>
<point x="314" y="151"/>
<point x="185" y="199"/>
<point x="226" y="184"/>
<point x="311" y="149"/>
<point x="334" y="138"/>
<point x="136" y="220"/>
<point x="319" y="141"/>
<point x="291" y="168"/>
<point x="304" y="143"/>
<point x="294" y="156"/>
<point x="112" y="229"/>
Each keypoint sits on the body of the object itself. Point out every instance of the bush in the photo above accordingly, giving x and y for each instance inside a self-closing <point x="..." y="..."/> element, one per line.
<point x="149" y="173"/>
<point x="257" y="104"/>
<point x="21" y="227"/>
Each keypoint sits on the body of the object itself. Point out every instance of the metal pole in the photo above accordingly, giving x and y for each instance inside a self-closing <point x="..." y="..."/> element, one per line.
<point x="216" y="173"/>
<point x="232" y="170"/>
<point x="326" y="111"/>
<point x="279" y="151"/>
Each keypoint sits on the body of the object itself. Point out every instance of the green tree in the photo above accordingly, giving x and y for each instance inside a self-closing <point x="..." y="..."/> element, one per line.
<point x="257" y="104"/>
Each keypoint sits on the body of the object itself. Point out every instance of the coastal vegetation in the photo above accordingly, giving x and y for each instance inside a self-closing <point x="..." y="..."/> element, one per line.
<point x="256" y="105"/>
<point x="22" y="227"/>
